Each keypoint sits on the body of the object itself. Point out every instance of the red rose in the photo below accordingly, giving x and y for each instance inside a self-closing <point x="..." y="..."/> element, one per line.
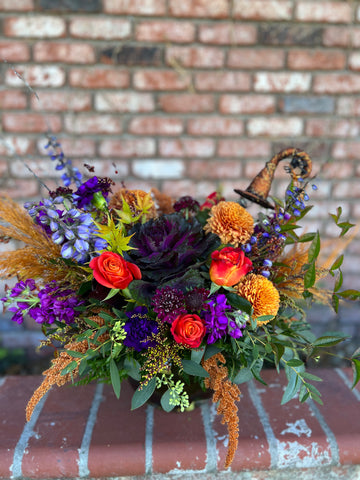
<point x="112" y="271"/>
<point x="188" y="330"/>
<point x="228" y="266"/>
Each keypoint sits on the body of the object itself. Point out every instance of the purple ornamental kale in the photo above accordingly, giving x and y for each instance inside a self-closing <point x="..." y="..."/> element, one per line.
<point x="139" y="329"/>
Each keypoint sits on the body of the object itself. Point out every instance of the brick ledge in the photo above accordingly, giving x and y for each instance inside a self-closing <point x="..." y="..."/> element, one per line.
<point x="85" y="432"/>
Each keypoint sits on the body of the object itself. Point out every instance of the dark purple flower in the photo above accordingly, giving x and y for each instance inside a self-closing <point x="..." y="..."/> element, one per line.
<point x="85" y="193"/>
<point x="168" y="303"/>
<point x="140" y="329"/>
<point x="215" y="317"/>
<point x="186" y="203"/>
<point x="195" y="299"/>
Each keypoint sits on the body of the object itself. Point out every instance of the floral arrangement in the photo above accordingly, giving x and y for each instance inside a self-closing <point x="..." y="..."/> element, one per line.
<point x="170" y="292"/>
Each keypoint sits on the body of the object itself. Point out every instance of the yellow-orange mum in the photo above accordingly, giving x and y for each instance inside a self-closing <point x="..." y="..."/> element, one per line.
<point x="231" y="222"/>
<point x="261" y="293"/>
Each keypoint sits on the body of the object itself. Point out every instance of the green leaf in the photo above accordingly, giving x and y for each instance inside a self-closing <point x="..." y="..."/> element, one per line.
<point x="264" y="318"/>
<point x="73" y="353"/>
<point x="106" y="317"/>
<point x="211" y="350"/>
<point x="294" y="362"/>
<point x="214" y="288"/>
<point x="350" y="294"/>
<point x="307" y="237"/>
<point x="310" y="376"/>
<point x="310" y="276"/>
<point x="338" y="282"/>
<point x="338" y="262"/>
<point x="112" y="293"/>
<point x="165" y="402"/>
<point x="292" y="386"/>
<point x="329" y="340"/>
<point x="355" y="363"/>
<point x="84" y="288"/>
<point x="132" y="368"/>
<point x="69" y="368"/>
<point x="314" y="248"/>
<point x="115" y="378"/>
<point x="356" y="353"/>
<point x="197" y="354"/>
<point x="244" y="375"/>
<point x="193" y="368"/>
<point x="143" y="394"/>
<point x="239" y="303"/>
<point x="335" y="303"/>
<point x="91" y="323"/>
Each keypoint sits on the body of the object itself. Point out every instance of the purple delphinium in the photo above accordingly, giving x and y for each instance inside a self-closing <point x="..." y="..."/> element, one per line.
<point x="139" y="329"/>
<point x="85" y="193"/>
<point x="215" y="317"/>
<point x="168" y="303"/>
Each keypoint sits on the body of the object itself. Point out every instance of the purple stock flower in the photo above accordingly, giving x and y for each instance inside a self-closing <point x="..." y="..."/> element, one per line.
<point x="215" y="317"/>
<point x="139" y="329"/>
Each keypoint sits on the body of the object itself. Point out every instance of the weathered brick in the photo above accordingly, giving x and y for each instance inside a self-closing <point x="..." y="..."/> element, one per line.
<point x="14" y="145"/>
<point x="281" y="82"/>
<point x="137" y="147"/>
<point x="36" y="76"/>
<point x="18" y="189"/>
<point x="132" y="55"/>
<point x="217" y="170"/>
<point x="346" y="189"/>
<point x="337" y="36"/>
<point x="34" y="26"/>
<point x="304" y="105"/>
<point x="124" y="102"/>
<point x="275" y="127"/>
<point x="253" y="59"/>
<point x="88" y="124"/>
<point x="187" y="103"/>
<point x="223" y="81"/>
<point x="316" y="60"/>
<point x="331" y="12"/>
<point x="43" y="168"/>
<point x="135" y="7"/>
<point x="72" y="147"/>
<point x="354" y="61"/>
<point x="198" y="57"/>
<point x="199" y="8"/>
<point x="158" y="169"/>
<point x="228" y="34"/>
<point x="61" y="101"/>
<point x="64" y="52"/>
<point x="263" y="9"/>
<point x="333" y="128"/>
<point x="165" y="31"/>
<point x="14" y="51"/>
<point x="155" y="126"/>
<point x="247" y="104"/>
<point x="332" y="170"/>
<point x="19" y="5"/>
<point x="160" y="80"/>
<point x="12" y="99"/>
<point x="243" y="148"/>
<point x="348" y="106"/>
<point x="348" y="150"/>
<point x="289" y="34"/>
<point x="99" y="78"/>
<point x="30" y="122"/>
<point x="100" y="28"/>
<point x="336" y="83"/>
<point x="177" y="188"/>
<point x="115" y="169"/>
<point x="215" y="126"/>
<point x="187" y="147"/>
<point x="71" y="5"/>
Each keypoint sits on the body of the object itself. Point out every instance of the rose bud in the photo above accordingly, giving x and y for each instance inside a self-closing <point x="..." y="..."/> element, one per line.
<point x="112" y="271"/>
<point x="228" y="266"/>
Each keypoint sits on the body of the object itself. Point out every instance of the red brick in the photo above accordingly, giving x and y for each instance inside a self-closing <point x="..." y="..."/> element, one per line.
<point x="12" y="99"/>
<point x="30" y="122"/>
<point x="187" y="147"/>
<point x="199" y="8"/>
<point x="140" y="147"/>
<point x="347" y="150"/>
<point x="63" y="52"/>
<point x="223" y="81"/>
<point x="19" y="5"/>
<point x="165" y="31"/>
<point x="155" y="126"/>
<point x="254" y="59"/>
<point x="326" y="127"/>
<point x="124" y="102"/>
<point x="100" y="28"/>
<point x="228" y="34"/>
<point x="19" y="189"/>
<point x="187" y="103"/>
<point x="160" y="80"/>
<point x="262" y="9"/>
<point x="331" y="12"/>
<point x="333" y="170"/>
<point x="16" y="146"/>
<point x="348" y="106"/>
<point x="99" y="78"/>
<point x="336" y="83"/>
<point x="14" y="51"/>
<point x="36" y="76"/>
<point x="316" y="60"/>
<point x="88" y="124"/>
<point x="61" y="101"/>
<point x="337" y="36"/>
<point x="275" y="127"/>
<point x="135" y="7"/>
<point x="282" y="82"/>
<point x="72" y="147"/>
<point x="177" y="188"/>
<point x="39" y="26"/>
<point x="42" y="167"/>
<point x="54" y="451"/>
<point x="247" y="104"/>
<point x="244" y="148"/>
<point x="215" y="126"/>
<point x="198" y="57"/>
<point x="217" y="170"/>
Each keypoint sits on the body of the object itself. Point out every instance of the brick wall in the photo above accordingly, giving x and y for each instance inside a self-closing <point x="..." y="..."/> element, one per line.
<point x="185" y="95"/>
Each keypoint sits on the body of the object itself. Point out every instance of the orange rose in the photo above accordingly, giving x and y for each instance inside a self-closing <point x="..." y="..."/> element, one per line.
<point x="228" y="266"/>
<point x="112" y="271"/>
<point x="188" y="330"/>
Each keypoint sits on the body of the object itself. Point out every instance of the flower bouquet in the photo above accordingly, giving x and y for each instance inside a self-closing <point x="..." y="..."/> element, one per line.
<point x="170" y="292"/>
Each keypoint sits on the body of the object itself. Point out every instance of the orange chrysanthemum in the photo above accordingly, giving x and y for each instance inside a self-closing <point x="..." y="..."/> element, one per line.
<point x="261" y="293"/>
<point x="231" y="222"/>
